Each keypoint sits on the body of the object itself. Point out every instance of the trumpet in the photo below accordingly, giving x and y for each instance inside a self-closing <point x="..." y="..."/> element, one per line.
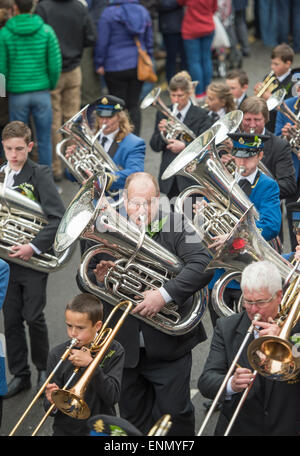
<point x="161" y="427"/>
<point x="232" y="367"/>
<point x="269" y="83"/>
<point x="174" y="126"/>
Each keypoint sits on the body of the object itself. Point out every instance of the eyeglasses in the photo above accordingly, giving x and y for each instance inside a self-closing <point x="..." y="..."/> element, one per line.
<point x="261" y="303"/>
<point x="137" y="204"/>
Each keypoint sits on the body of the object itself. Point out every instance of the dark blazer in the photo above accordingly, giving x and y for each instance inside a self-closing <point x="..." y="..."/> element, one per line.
<point x="196" y="120"/>
<point x="45" y="192"/>
<point x="278" y="159"/>
<point x="286" y="84"/>
<point x="161" y="346"/>
<point x="271" y="407"/>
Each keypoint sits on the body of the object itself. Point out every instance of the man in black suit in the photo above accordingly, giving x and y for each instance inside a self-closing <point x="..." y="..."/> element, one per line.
<point x="277" y="152"/>
<point x="26" y="293"/>
<point x="195" y="118"/>
<point x="156" y="377"/>
<point x="271" y="407"/>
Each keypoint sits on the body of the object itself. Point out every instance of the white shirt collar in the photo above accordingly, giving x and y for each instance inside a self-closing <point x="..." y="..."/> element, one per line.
<point x="184" y="111"/>
<point x="282" y="77"/>
<point x="251" y="177"/>
<point x="110" y="139"/>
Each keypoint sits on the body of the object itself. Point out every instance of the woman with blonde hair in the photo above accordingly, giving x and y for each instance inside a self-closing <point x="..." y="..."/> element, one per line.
<point x="219" y="100"/>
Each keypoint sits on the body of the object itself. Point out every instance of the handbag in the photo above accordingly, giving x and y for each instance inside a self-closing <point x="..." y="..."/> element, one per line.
<point x="145" y="70"/>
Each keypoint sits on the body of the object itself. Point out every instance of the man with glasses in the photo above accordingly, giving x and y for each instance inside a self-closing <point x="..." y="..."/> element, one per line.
<point x="156" y="378"/>
<point x="271" y="407"/>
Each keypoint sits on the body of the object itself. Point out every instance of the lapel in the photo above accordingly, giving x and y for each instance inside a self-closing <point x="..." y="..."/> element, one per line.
<point x="24" y="175"/>
<point x="113" y="149"/>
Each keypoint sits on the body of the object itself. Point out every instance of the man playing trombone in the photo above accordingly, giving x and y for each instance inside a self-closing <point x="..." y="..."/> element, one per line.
<point x="271" y="407"/>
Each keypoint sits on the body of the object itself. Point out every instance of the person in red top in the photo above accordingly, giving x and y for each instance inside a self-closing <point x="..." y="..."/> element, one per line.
<point x="197" y="32"/>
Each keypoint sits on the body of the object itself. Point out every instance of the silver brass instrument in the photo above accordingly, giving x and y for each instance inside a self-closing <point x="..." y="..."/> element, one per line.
<point x="140" y="262"/>
<point x="89" y="154"/>
<point x="270" y="83"/>
<point x="227" y="376"/>
<point x="275" y="357"/>
<point x="175" y="128"/>
<point x="20" y="220"/>
<point x="294" y="132"/>
<point x="243" y="246"/>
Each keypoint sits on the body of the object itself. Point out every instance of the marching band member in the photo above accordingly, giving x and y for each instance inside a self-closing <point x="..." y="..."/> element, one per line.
<point x="262" y="191"/>
<point x="282" y="57"/>
<point x="125" y="148"/>
<point x="219" y="100"/>
<point x="195" y="118"/>
<point x="277" y="153"/>
<point x="284" y="128"/>
<point x="26" y="293"/>
<point x="84" y="316"/>
<point x="157" y="369"/>
<point x="271" y="407"/>
<point x="238" y="83"/>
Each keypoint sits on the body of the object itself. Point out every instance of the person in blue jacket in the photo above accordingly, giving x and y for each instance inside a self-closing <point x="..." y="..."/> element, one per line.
<point x="262" y="191"/>
<point x="116" y="53"/>
<point x="4" y="277"/>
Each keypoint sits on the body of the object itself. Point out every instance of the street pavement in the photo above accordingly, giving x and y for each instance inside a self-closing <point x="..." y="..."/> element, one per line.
<point x="62" y="285"/>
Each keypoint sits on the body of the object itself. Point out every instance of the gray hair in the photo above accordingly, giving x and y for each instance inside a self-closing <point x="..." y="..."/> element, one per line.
<point x="261" y="274"/>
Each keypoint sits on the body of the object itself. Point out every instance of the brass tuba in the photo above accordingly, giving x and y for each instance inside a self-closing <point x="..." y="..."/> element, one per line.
<point x="140" y="262"/>
<point x="174" y="127"/>
<point x="20" y="220"/>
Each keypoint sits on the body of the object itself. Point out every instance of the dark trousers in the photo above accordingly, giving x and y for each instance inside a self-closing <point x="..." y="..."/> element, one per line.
<point x="155" y="388"/>
<point x="25" y="301"/>
<point x="174" y="48"/>
<point x="125" y="85"/>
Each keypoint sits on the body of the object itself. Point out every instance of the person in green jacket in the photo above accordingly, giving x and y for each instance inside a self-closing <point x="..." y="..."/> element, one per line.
<point x="30" y="60"/>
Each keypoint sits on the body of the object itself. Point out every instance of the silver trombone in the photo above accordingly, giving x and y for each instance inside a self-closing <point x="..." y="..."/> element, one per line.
<point x="227" y="377"/>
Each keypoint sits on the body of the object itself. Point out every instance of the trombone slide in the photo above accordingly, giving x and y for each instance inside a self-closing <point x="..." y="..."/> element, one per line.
<point x="43" y="387"/>
<point x="227" y="376"/>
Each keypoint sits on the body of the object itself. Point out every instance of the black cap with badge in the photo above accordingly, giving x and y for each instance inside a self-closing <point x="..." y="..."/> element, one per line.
<point x="106" y="425"/>
<point x="108" y="106"/>
<point x="247" y="145"/>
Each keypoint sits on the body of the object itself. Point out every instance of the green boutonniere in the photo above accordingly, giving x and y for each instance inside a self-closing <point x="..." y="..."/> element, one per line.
<point x="295" y="338"/>
<point x="256" y="143"/>
<point x="155" y="226"/>
<point x="109" y="355"/>
<point x="27" y="190"/>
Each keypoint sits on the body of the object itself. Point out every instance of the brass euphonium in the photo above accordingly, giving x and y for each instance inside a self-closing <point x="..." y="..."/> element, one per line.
<point x="175" y="128"/>
<point x="89" y="154"/>
<point x="140" y="262"/>
<point x="275" y="357"/>
<point x="20" y="220"/>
